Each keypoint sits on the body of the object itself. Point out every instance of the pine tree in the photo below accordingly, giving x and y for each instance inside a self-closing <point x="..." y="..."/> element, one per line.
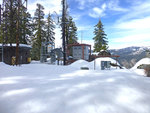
<point x="9" y="22"/>
<point x="39" y="32"/>
<point x="71" y="31"/>
<point x="100" y="40"/>
<point x="8" y="27"/>
<point x="49" y="28"/>
<point x="25" y="26"/>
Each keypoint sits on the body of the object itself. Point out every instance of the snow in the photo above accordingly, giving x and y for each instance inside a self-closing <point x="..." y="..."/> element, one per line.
<point x="20" y="45"/>
<point x="43" y="88"/>
<point x="90" y="65"/>
<point x="140" y="71"/>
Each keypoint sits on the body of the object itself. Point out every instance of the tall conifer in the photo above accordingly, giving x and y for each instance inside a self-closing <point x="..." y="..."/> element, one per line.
<point x="100" y="40"/>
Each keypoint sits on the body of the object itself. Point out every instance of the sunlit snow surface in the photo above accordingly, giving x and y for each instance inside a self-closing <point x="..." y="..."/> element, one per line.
<point x="43" y="88"/>
<point x="140" y="62"/>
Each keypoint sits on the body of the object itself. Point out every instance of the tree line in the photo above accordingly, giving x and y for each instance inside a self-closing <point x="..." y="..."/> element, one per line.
<point x="38" y="29"/>
<point x="32" y="30"/>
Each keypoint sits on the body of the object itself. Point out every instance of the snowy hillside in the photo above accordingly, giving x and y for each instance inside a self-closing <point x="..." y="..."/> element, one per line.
<point x="142" y="61"/>
<point x="43" y="88"/>
<point x="130" y="56"/>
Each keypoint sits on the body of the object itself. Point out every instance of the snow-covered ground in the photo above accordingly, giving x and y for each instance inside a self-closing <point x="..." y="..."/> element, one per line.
<point x="43" y="88"/>
<point x="140" y="71"/>
<point x="90" y="65"/>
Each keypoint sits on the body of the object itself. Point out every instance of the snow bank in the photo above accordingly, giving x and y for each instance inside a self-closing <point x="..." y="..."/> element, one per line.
<point x="20" y="45"/>
<point x="142" y="61"/>
<point x="42" y="88"/>
<point x="82" y="63"/>
<point x="98" y="62"/>
<point x="140" y="71"/>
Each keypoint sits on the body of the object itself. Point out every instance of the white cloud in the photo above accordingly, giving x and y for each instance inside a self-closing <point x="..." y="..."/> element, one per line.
<point x="76" y="16"/>
<point x="83" y="3"/>
<point x="133" y="28"/>
<point x="49" y="5"/>
<point x="114" y="5"/>
<point x="58" y="40"/>
<point x="104" y="6"/>
<point x="98" y="12"/>
<point x="136" y="11"/>
<point x="133" y="38"/>
<point x="139" y="39"/>
<point x="135" y="24"/>
<point x="85" y="28"/>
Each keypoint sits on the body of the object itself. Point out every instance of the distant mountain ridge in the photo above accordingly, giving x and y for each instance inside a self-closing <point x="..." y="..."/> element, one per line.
<point x="130" y="56"/>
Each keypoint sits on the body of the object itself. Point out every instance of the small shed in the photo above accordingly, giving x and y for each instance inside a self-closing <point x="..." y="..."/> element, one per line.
<point x="80" y="51"/>
<point x="7" y="52"/>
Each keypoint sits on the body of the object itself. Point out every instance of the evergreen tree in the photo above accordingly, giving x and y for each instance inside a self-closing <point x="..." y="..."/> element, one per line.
<point x="8" y="28"/>
<point x="49" y="28"/>
<point x="25" y="26"/>
<point x="100" y="40"/>
<point x="9" y="22"/>
<point x="39" y="35"/>
<point x="71" y="31"/>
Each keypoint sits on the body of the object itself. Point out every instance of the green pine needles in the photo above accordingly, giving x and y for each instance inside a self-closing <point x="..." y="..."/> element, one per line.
<point x="100" y="40"/>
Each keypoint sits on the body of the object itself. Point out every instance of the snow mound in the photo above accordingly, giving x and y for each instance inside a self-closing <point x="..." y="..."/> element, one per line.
<point x="142" y="61"/>
<point x="140" y="71"/>
<point x="82" y="63"/>
<point x="98" y="62"/>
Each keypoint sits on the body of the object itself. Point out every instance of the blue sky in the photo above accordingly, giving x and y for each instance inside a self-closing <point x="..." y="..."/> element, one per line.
<point x="126" y="22"/>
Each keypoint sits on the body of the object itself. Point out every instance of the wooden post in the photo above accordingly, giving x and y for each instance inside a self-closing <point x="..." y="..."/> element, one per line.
<point x="17" y="37"/>
<point x="94" y="64"/>
<point x="82" y="52"/>
<point x="116" y="62"/>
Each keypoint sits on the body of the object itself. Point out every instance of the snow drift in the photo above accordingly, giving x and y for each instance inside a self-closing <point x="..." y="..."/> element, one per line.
<point x="82" y="63"/>
<point x="140" y="71"/>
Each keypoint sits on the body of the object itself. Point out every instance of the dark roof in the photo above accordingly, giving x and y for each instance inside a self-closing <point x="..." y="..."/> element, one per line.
<point x="78" y="45"/>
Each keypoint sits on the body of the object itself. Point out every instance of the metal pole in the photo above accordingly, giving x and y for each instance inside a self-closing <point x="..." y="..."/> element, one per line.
<point x="63" y="34"/>
<point x="81" y="36"/>
<point x="2" y="52"/>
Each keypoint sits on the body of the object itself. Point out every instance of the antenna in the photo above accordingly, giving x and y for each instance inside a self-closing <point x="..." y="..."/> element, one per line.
<point x="81" y="36"/>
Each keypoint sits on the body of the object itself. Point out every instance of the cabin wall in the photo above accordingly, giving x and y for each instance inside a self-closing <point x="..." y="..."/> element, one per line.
<point x="9" y="52"/>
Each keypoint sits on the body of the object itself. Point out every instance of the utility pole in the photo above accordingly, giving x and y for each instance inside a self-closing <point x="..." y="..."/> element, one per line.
<point x="0" y="14"/>
<point x="63" y="30"/>
<point x="17" y="37"/>
<point x="20" y="4"/>
<point x="0" y="24"/>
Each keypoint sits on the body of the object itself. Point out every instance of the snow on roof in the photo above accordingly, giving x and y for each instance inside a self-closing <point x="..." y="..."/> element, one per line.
<point x="20" y="45"/>
<point x="82" y="63"/>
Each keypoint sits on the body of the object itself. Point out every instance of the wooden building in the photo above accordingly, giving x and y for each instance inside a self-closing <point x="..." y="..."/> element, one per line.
<point x="78" y="51"/>
<point x="9" y="53"/>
